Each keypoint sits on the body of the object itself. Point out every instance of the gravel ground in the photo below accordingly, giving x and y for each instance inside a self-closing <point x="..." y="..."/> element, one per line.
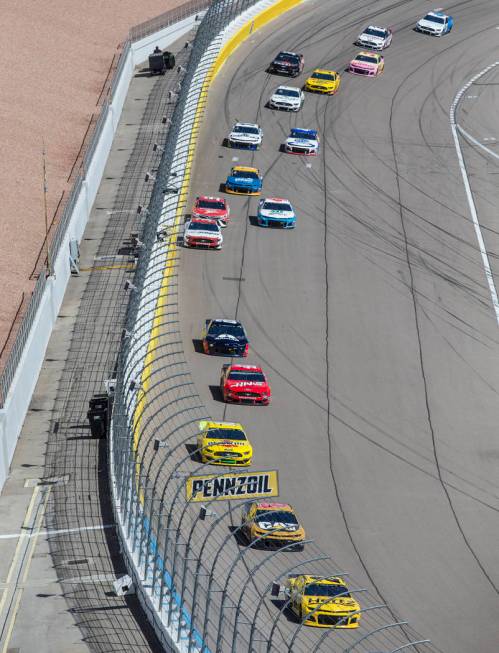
<point x="56" y="57"/>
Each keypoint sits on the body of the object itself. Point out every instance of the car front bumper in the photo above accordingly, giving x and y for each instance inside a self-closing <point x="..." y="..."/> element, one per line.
<point x="324" y="619"/>
<point x="243" y="145"/>
<point x="276" y="222"/>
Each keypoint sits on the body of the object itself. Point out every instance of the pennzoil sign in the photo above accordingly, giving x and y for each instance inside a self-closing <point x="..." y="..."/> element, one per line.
<point x="232" y="486"/>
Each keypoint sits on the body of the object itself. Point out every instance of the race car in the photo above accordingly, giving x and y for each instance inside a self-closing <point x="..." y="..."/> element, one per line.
<point x="223" y="443"/>
<point x="270" y="524"/>
<point x="302" y="141"/>
<point x="376" y="38"/>
<point x="244" y="384"/>
<point x="276" y="212"/>
<point x="288" y="98"/>
<point x="244" y="180"/>
<point x="435" y="23"/>
<point x="203" y="232"/>
<point x="322" y="602"/>
<point x="245" y="135"/>
<point x="225" y="337"/>
<point x="214" y="208"/>
<point x="367" y="63"/>
<point x="287" y="63"/>
<point x="323" y="81"/>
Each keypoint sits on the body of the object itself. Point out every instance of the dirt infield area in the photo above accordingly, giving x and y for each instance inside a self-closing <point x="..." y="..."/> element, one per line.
<point x="57" y="56"/>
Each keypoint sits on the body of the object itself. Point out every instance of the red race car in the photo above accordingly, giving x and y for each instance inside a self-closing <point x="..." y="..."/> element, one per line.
<point x="244" y="384"/>
<point x="215" y="208"/>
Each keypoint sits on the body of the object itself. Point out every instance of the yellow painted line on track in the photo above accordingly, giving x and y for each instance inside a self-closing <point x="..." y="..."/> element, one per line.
<point x="227" y="50"/>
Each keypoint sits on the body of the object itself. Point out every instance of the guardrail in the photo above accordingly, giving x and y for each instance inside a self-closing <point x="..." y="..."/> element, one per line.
<point x="203" y="589"/>
<point x="24" y="359"/>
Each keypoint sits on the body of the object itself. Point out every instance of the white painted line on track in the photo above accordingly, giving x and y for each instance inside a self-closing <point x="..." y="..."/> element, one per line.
<point x="473" y="140"/>
<point x="61" y="531"/>
<point x="471" y="203"/>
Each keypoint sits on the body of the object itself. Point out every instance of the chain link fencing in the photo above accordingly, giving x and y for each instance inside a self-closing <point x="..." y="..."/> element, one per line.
<point x="204" y="589"/>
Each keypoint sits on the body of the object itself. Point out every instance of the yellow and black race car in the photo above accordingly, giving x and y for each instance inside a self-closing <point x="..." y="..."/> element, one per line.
<point x="322" y="602"/>
<point x="271" y="524"/>
<point x="224" y="443"/>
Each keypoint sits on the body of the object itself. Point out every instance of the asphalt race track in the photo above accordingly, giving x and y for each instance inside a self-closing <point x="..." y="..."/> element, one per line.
<point x="373" y="318"/>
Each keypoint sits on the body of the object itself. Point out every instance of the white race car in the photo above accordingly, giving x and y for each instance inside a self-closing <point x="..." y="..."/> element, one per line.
<point x="377" y="38"/>
<point x="302" y="141"/>
<point x="202" y="232"/>
<point x="288" y="98"/>
<point x="435" y="23"/>
<point x="245" y="134"/>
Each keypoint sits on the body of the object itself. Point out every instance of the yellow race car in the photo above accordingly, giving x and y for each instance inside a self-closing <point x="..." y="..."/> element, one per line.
<point x="322" y="602"/>
<point x="271" y="524"/>
<point x="224" y="443"/>
<point x="323" y="81"/>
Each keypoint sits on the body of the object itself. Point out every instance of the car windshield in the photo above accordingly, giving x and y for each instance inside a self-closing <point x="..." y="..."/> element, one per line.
<point x="239" y="375"/>
<point x="226" y="434"/>
<point x="211" y="204"/>
<point x="435" y="19"/>
<point x="289" y="92"/>
<point x="326" y="590"/>
<point x="276" y="206"/>
<point x="245" y="129"/>
<point x="282" y="516"/>
<point x="204" y="226"/>
<point x="329" y="76"/>
<point x="216" y="328"/>
<point x="245" y="174"/>
<point x="287" y="57"/>
<point x="366" y="58"/>
<point x="375" y="32"/>
<point x="303" y="133"/>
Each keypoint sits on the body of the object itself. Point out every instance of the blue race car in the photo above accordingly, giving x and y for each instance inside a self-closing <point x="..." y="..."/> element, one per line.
<point x="244" y="181"/>
<point x="276" y="212"/>
<point x="435" y="23"/>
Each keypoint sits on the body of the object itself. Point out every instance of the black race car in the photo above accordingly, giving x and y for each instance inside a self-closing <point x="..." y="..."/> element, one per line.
<point x="225" y="337"/>
<point x="287" y="63"/>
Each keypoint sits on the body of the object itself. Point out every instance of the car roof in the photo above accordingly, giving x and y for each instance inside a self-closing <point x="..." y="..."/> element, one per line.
<point x="245" y="169"/>
<point x="323" y="70"/>
<point x="288" y="88"/>
<point x="333" y="580"/>
<point x="224" y="425"/>
<point x="211" y="197"/>
<point x="245" y="368"/>
<point x="222" y="320"/>
<point x="247" y="124"/>
<point x="279" y="200"/>
<point x="369" y="54"/>
<point x="295" y="131"/>
<point x="273" y="505"/>
<point x="382" y="29"/>
<point x="436" y="12"/>
<point x="295" y="54"/>
<point x="203" y="220"/>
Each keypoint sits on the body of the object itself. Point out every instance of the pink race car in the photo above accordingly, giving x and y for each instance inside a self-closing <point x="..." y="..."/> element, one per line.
<point x="370" y="64"/>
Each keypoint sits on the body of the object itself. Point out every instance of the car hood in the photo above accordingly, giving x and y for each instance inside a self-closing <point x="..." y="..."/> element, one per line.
<point x="287" y="99"/>
<point x="203" y="234"/>
<point x="312" y="81"/>
<point x="302" y="142"/>
<point x="363" y="64"/>
<point x="331" y="605"/>
<point x="266" y="213"/>
<point x="243" y="181"/>
<point x="265" y="525"/>
<point x="226" y="444"/>
<point x="368" y="38"/>
<point x="240" y="136"/>
<point x="438" y="27"/>
<point x="215" y="213"/>
<point x="246" y="385"/>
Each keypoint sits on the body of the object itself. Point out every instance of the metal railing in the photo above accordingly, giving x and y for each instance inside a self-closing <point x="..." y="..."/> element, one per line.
<point x="56" y="237"/>
<point x="208" y="590"/>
